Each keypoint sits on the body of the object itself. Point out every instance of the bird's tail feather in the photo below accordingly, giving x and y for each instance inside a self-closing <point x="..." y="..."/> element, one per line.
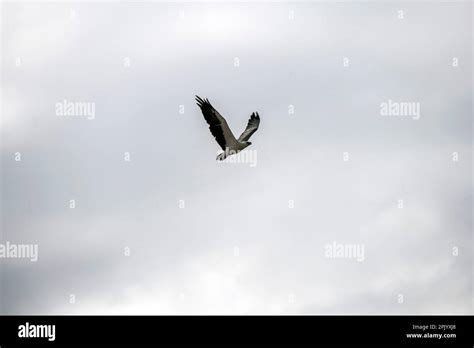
<point x="222" y="156"/>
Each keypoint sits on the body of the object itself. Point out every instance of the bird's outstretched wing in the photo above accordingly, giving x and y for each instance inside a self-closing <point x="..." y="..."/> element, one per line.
<point x="252" y="127"/>
<point x="217" y="124"/>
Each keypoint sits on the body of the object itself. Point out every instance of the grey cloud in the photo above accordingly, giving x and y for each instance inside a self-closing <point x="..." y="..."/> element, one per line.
<point x="182" y="260"/>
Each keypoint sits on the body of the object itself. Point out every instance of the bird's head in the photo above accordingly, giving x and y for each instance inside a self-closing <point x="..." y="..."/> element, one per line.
<point x="248" y="143"/>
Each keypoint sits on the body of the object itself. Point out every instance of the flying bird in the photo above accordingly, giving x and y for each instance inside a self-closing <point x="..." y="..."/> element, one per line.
<point x="222" y="133"/>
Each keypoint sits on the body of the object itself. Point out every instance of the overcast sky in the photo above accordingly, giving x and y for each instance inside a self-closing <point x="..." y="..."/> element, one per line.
<point x="249" y="239"/>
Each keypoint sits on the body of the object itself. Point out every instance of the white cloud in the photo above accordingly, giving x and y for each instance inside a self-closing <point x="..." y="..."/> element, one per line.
<point x="182" y="260"/>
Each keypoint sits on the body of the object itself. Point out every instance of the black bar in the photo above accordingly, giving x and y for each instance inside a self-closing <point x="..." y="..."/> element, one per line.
<point x="290" y="330"/>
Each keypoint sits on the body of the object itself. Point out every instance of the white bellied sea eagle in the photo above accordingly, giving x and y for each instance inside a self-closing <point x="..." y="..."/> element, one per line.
<point x="222" y="133"/>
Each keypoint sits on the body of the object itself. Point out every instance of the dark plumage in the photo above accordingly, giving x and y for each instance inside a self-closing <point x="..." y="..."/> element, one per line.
<point x="221" y="131"/>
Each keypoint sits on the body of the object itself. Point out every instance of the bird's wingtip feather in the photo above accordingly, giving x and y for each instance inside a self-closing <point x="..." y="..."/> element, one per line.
<point x="199" y="100"/>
